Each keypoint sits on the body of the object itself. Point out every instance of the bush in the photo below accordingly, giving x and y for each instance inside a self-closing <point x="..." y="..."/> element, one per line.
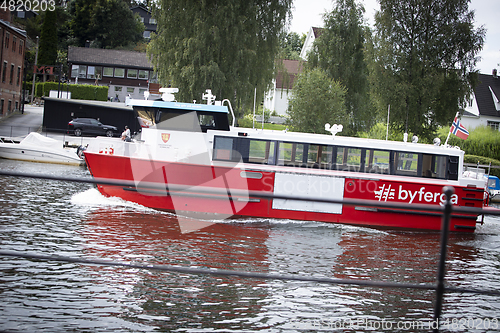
<point x="482" y="141"/>
<point x="246" y="121"/>
<point x="474" y="159"/>
<point x="78" y="91"/>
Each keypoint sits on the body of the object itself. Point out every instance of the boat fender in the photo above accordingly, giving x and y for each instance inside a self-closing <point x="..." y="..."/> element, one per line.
<point x="80" y="150"/>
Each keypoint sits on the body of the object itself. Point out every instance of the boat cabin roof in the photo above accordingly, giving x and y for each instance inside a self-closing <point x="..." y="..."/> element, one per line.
<point x="188" y="107"/>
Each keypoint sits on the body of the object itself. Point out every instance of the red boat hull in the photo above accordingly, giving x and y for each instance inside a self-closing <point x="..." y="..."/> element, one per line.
<point x="227" y="203"/>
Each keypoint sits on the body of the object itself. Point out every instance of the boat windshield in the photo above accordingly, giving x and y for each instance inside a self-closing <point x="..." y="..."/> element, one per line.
<point x="181" y="120"/>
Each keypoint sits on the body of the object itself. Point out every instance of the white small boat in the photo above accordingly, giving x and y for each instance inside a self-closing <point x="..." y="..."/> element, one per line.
<point x="38" y="148"/>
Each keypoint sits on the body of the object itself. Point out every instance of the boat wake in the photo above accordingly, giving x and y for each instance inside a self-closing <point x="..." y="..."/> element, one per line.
<point x="92" y="198"/>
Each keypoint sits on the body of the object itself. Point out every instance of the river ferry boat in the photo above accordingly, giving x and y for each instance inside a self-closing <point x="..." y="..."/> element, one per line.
<point x="199" y="164"/>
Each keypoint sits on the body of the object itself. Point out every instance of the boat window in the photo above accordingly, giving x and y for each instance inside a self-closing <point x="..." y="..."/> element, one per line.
<point x="349" y="159"/>
<point x="261" y="152"/>
<point x="179" y="119"/>
<point x="223" y="149"/>
<point x="452" y="168"/>
<point x="492" y="183"/>
<point x="207" y="121"/>
<point x="339" y="158"/>
<point x="249" y="150"/>
<point x="291" y="154"/>
<point x="434" y="166"/>
<point x="319" y="157"/>
<point x="406" y="164"/>
<point x="336" y="158"/>
<point x="377" y="161"/>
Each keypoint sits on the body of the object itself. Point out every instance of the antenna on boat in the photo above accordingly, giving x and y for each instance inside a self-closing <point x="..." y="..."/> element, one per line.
<point x="167" y="94"/>
<point x="334" y="129"/>
<point x="208" y="97"/>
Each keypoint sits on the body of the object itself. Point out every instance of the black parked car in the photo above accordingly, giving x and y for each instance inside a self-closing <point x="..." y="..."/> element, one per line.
<point x="80" y="126"/>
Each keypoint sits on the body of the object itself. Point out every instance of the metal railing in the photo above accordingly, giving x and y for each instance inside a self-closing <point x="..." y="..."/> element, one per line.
<point x="439" y="287"/>
<point x="11" y="132"/>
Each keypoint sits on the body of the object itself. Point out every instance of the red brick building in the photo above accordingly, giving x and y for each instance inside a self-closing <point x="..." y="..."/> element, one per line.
<point x="12" y="48"/>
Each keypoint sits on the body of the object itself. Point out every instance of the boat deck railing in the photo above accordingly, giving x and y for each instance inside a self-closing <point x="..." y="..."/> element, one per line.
<point x="439" y="286"/>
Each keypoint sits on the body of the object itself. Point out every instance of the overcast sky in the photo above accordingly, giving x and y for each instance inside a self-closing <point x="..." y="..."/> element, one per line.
<point x="309" y="13"/>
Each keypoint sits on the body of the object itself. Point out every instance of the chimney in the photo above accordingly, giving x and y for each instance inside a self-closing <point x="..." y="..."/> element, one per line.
<point x="494" y="72"/>
<point x="6" y="15"/>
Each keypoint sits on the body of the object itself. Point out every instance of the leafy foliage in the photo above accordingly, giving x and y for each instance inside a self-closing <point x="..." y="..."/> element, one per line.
<point x="104" y="23"/>
<point x="316" y="100"/>
<point x="78" y="91"/>
<point x="227" y="46"/>
<point x="425" y="53"/>
<point x="482" y="141"/>
<point x="291" y="44"/>
<point x="115" y="25"/>
<point x="48" y="39"/>
<point x="484" y="161"/>
<point x="339" y="51"/>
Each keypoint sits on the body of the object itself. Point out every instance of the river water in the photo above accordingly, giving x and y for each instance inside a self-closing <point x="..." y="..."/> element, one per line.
<point x="72" y="219"/>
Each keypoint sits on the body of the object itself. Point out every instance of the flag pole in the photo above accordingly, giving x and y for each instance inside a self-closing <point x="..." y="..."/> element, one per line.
<point x="449" y="132"/>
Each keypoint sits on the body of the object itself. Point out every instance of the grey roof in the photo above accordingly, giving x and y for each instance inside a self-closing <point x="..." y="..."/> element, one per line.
<point x="8" y="24"/>
<point x="91" y="103"/>
<point x="105" y="57"/>
<point x="487" y="85"/>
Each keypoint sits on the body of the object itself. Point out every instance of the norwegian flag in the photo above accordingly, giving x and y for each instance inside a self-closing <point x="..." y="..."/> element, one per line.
<point x="459" y="130"/>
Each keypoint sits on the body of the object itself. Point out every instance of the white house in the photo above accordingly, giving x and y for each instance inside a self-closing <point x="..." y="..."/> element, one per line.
<point x="484" y="109"/>
<point x="277" y="98"/>
<point x="313" y="33"/>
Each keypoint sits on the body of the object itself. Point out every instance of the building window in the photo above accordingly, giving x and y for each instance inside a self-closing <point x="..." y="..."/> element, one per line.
<point x="132" y="74"/>
<point x="4" y="70"/>
<point x="146" y="34"/>
<point x="21" y="46"/>
<point x="7" y="40"/>
<point x="9" y="107"/>
<point x="152" y="21"/>
<point x="90" y="72"/>
<point x="94" y="72"/>
<point x="118" y="89"/>
<point x="11" y="73"/>
<point x="107" y="71"/>
<point x="14" y="43"/>
<point x="74" y="70"/>
<point x="18" y="77"/>
<point x="130" y="90"/>
<point x="141" y="19"/>
<point x="2" y="102"/>
<point x="494" y="125"/>
<point x="17" y="105"/>
<point x="119" y="72"/>
<point x="143" y="75"/>
<point x="142" y="91"/>
<point x="82" y="71"/>
<point x="79" y="71"/>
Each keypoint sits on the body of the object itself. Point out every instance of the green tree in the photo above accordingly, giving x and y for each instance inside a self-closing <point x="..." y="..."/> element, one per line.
<point x="104" y="23"/>
<point x="82" y="12"/>
<point x="316" y="100"/>
<point x="425" y="53"/>
<point x="291" y="44"/>
<point x="115" y="25"/>
<point x="48" y="40"/>
<point x="227" y="46"/>
<point x="339" y="51"/>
